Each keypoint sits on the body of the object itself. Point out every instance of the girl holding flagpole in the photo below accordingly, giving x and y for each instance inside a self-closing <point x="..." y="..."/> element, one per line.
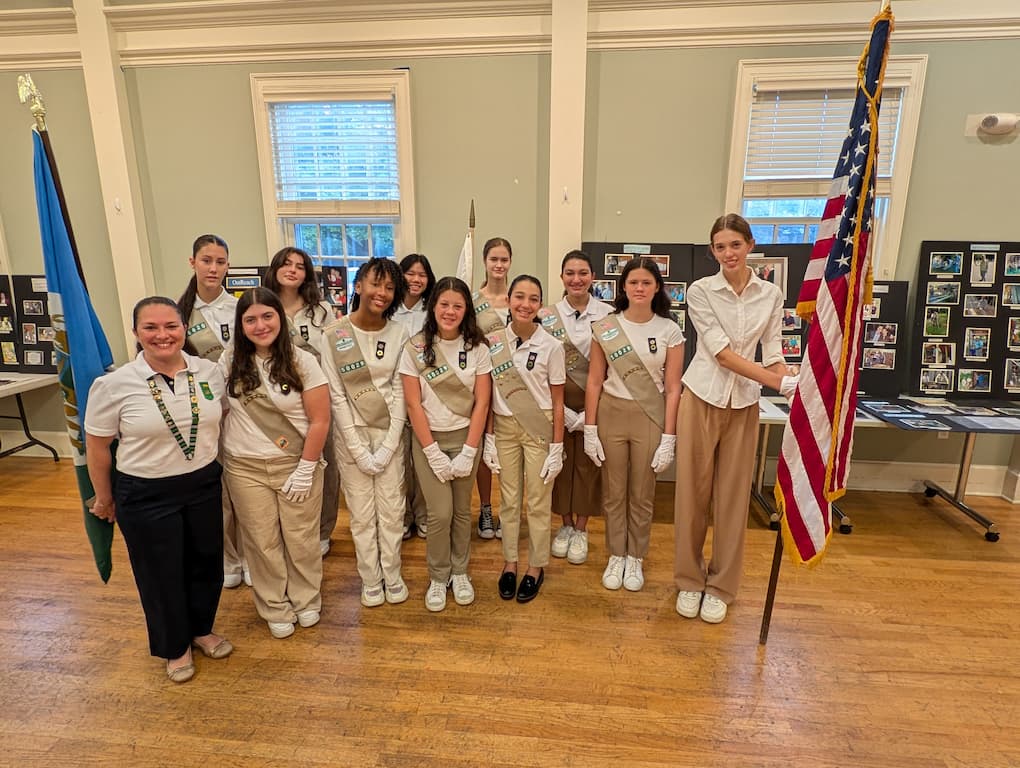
<point x="291" y="276"/>
<point x="491" y="309"/>
<point x="733" y="312"/>
<point x="360" y="354"/>
<point x="524" y="442"/>
<point x="630" y="413"/>
<point x="578" y="490"/>
<point x="445" y="370"/>
<point x="209" y="312"/>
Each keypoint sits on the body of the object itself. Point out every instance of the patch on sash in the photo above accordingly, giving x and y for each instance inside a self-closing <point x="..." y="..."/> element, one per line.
<point x="282" y="442"/>
<point x="344" y="340"/>
<point x="609" y="334"/>
<point x="652" y="346"/>
<point x="621" y="352"/>
<point x="495" y="347"/>
<point x="548" y="319"/>
<point x="206" y="390"/>
<point x="380" y="350"/>
<point x="503" y="367"/>
<point x="196" y="328"/>
<point x="225" y="331"/>
<point x="532" y="357"/>
<point x="436" y="372"/>
<point x="352" y="366"/>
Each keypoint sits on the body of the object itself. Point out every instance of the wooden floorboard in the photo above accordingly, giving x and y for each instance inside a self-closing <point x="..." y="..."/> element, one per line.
<point x="902" y="649"/>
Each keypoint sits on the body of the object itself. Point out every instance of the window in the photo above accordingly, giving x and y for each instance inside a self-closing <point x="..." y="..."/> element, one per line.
<point x="335" y="164"/>
<point x="790" y="120"/>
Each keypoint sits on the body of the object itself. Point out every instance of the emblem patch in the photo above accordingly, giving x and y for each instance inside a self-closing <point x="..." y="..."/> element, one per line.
<point x="206" y="390"/>
<point x="225" y="331"/>
<point x="532" y="357"/>
<point x="652" y="345"/>
<point x="380" y="350"/>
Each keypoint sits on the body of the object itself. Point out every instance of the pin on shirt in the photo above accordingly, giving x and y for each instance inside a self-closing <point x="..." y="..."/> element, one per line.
<point x="462" y="360"/>
<point x="380" y="350"/>
<point x="225" y="331"/>
<point x="304" y="332"/>
<point x="652" y="345"/>
<point x="285" y="389"/>
<point x="532" y="357"/>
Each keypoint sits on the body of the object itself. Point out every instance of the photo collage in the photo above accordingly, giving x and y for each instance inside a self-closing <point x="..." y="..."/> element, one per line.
<point x="26" y="332"/>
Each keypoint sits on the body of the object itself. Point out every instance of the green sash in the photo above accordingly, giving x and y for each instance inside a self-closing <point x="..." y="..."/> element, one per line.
<point x="536" y="422"/>
<point x="623" y="358"/>
<point x="486" y="316"/>
<point x="206" y="343"/>
<point x="271" y="421"/>
<point x="577" y="364"/>
<point x="442" y="378"/>
<point x="356" y="377"/>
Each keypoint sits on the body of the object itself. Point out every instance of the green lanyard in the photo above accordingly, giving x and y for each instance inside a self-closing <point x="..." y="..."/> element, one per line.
<point x="189" y="447"/>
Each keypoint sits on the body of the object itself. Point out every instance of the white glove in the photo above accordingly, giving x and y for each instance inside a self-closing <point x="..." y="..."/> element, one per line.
<point x="592" y="445"/>
<point x="788" y="386"/>
<point x="362" y="456"/>
<point x="664" y="453"/>
<point x="572" y="420"/>
<point x="489" y="455"/>
<point x="553" y="463"/>
<point x="439" y="462"/>
<point x="463" y="462"/>
<point x="382" y="457"/>
<point x="298" y="486"/>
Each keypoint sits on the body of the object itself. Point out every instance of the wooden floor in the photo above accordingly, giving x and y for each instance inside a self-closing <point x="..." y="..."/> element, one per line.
<point x="901" y="650"/>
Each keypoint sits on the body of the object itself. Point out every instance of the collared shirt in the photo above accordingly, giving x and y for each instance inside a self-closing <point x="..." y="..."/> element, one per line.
<point x="241" y="435"/>
<point x="578" y="327"/>
<point x="476" y="363"/>
<point x="412" y="319"/>
<point x="547" y="366"/>
<point x="724" y="319"/>
<point x="219" y="314"/>
<point x="121" y="405"/>
<point x="650" y="340"/>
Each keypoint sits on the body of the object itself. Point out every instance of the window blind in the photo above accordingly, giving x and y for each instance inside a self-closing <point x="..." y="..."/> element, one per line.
<point x="798" y="134"/>
<point x="345" y="150"/>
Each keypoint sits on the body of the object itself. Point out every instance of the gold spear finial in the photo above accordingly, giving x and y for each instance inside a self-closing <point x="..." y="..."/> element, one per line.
<point x="471" y="216"/>
<point x="28" y="93"/>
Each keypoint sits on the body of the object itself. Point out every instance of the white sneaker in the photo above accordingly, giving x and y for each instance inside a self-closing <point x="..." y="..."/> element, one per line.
<point x="612" y="577"/>
<point x="634" y="577"/>
<point x="713" y="610"/>
<point x="423" y="529"/>
<point x="308" y="618"/>
<point x="323" y="547"/>
<point x="372" y="596"/>
<point x="561" y="542"/>
<point x="396" y="593"/>
<point x="688" y="604"/>
<point x="435" y="597"/>
<point x="577" y="552"/>
<point x="245" y="573"/>
<point x="463" y="592"/>
<point x="280" y="629"/>
<point x="499" y="528"/>
<point x="231" y="580"/>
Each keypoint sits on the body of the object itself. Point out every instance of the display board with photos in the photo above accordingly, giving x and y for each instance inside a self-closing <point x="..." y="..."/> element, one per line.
<point x="966" y="340"/>
<point x="26" y="331"/>
<point x="240" y="279"/>
<point x="10" y="340"/>
<point x="333" y="283"/>
<point x="924" y="414"/>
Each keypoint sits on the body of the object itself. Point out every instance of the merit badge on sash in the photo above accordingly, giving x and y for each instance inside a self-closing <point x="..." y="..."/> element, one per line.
<point x="225" y="331"/>
<point x="380" y="350"/>
<point x="462" y="360"/>
<point x="532" y="357"/>
<point x="652" y="346"/>
<point x="304" y="332"/>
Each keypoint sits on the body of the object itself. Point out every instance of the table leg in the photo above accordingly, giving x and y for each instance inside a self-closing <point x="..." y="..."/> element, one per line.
<point x="30" y="438"/>
<point x="932" y="489"/>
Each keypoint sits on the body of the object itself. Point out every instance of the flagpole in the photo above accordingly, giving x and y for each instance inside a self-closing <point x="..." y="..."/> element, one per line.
<point x="471" y="233"/>
<point x="770" y="596"/>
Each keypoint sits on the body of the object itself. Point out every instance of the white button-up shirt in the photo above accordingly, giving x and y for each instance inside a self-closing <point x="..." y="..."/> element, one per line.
<point x="724" y="319"/>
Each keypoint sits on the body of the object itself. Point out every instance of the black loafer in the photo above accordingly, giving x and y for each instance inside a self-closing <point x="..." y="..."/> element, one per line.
<point x="507" y="585"/>
<point x="530" y="586"/>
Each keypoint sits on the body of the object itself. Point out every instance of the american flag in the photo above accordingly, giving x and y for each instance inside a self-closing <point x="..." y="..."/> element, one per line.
<point x="818" y="440"/>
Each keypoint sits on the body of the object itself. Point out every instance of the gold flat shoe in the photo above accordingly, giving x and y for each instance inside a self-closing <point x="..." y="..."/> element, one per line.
<point x="221" y="650"/>
<point x="180" y="674"/>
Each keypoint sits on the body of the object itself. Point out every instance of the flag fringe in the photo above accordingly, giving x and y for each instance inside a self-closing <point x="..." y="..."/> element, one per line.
<point x="788" y="541"/>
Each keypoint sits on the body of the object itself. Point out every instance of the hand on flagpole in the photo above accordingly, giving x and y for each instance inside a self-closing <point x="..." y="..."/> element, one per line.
<point x="104" y="510"/>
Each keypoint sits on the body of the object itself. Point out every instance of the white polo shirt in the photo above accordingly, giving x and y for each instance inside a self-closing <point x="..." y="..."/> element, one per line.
<point x="547" y="366"/>
<point x="578" y="326"/>
<point x="219" y="315"/>
<point x="381" y="351"/>
<point x="242" y="437"/>
<point x="121" y="405"/>
<point x="304" y="327"/>
<point x="412" y="319"/>
<point x="650" y="340"/>
<point x="724" y="319"/>
<point x="476" y="363"/>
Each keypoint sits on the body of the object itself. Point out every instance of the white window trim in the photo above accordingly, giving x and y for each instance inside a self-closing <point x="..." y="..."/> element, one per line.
<point x="314" y="86"/>
<point x="906" y="72"/>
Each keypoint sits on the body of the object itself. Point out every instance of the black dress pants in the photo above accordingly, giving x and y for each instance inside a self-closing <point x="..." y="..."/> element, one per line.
<point x="173" y="529"/>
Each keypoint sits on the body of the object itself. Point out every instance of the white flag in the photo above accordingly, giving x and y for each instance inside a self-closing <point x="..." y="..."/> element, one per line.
<point x="465" y="264"/>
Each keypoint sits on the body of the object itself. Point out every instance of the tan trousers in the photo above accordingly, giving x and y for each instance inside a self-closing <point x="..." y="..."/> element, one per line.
<point x="330" y="488"/>
<point x="233" y="548"/>
<point x="281" y="537"/>
<point x="521" y="458"/>
<point x="714" y="465"/>
<point x="448" y="545"/>
<point x="629" y="439"/>
<point x="578" y="488"/>
<point x="417" y="508"/>
<point x="376" y="503"/>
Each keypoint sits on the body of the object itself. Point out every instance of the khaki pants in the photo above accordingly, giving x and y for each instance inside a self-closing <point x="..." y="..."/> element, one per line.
<point x="233" y="548"/>
<point x="376" y="503"/>
<point x="281" y="537"/>
<point x="417" y="507"/>
<point x="629" y="439"/>
<point x="577" y="491"/>
<point x="714" y="465"/>
<point x="330" y="488"/>
<point x="521" y="458"/>
<point x="448" y="545"/>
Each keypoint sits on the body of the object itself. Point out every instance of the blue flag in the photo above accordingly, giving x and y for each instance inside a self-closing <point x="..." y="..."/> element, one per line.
<point x="83" y="354"/>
